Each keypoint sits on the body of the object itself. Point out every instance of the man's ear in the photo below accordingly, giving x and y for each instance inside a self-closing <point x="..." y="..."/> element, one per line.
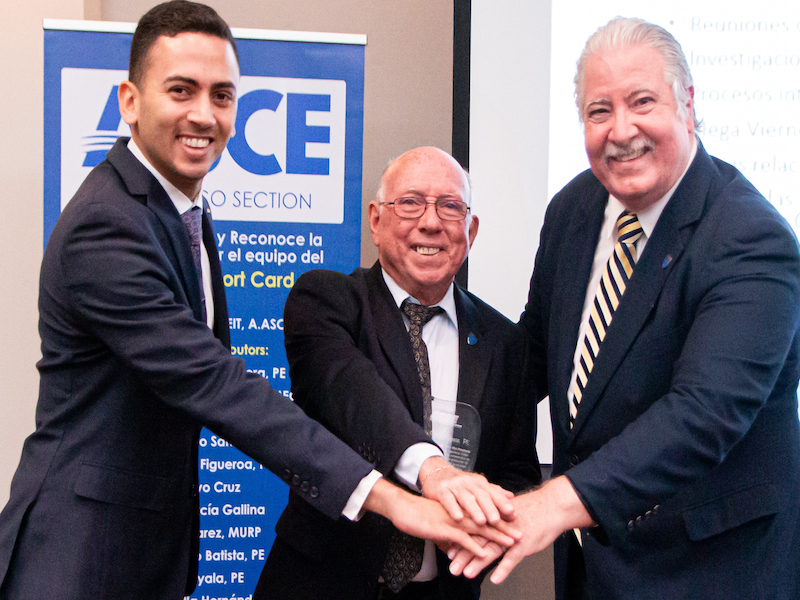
<point x="473" y="229"/>
<point x="373" y="216"/>
<point x="128" y="98"/>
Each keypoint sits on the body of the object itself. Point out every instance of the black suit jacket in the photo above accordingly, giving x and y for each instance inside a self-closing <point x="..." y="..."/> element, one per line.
<point x="352" y="368"/>
<point x="686" y="445"/>
<point x="104" y="502"/>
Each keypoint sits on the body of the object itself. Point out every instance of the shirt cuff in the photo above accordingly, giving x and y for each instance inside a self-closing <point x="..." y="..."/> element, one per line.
<point x="407" y="469"/>
<point x="354" y="509"/>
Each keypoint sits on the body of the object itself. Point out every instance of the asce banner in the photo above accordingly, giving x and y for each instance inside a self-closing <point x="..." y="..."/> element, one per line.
<point x="286" y="198"/>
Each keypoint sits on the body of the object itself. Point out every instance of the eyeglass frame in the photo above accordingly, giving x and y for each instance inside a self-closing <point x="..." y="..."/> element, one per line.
<point x="427" y="203"/>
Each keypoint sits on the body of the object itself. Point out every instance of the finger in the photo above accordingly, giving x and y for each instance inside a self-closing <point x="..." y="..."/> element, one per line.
<point x="450" y="504"/>
<point x="510" y="560"/>
<point x="495" y="535"/>
<point x="508" y="529"/>
<point x="477" y="564"/>
<point x="459" y="560"/>
<point x="488" y="503"/>
<point x="467" y="499"/>
<point x="466" y="541"/>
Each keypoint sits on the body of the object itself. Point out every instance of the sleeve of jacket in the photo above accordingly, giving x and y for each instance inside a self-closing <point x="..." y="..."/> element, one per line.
<point x="126" y="293"/>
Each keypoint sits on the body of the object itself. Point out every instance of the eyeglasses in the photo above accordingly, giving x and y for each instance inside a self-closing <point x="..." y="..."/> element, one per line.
<point x="413" y="207"/>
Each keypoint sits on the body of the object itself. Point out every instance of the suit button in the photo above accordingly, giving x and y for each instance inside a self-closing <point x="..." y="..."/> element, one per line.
<point x="314" y="493"/>
<point x="286" y="475"/>
<point x="304" y="487"/>
<point x="573" y="460"/>
<point x="296" y="480"/>
<point x="630" y="525"/>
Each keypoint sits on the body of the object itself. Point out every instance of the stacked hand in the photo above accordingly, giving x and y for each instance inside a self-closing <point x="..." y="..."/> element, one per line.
<point x="542" y="515"/>
<point x="477" y="522"/>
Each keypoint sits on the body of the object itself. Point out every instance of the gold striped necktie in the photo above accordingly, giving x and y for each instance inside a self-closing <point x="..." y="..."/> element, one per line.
<point x="609" y="293"/>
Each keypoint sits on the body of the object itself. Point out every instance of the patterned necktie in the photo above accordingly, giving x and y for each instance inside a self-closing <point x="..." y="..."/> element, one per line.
<point x="404" y="557"/>
<point x="419" y="315"/>
<point x="609" y="293"/>
<point x="193" y="219"/>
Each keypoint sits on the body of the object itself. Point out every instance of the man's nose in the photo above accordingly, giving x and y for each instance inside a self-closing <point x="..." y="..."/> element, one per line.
<point x="623" y="126"/>
<point x="202" y="112"/>
<point x="430" y="218"/>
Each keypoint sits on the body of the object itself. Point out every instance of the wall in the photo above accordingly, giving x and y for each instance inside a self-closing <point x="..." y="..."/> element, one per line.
<point x="21" y="129"/>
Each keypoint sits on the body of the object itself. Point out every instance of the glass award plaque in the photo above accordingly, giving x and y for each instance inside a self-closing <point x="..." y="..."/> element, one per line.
<point x="457" y="429"/>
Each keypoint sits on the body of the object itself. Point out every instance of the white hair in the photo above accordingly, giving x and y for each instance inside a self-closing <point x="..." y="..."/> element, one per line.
<point x="622" y="32"/>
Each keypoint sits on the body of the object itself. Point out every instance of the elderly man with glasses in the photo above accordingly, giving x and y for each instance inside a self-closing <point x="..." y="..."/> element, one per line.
<point x="356" y="346"/>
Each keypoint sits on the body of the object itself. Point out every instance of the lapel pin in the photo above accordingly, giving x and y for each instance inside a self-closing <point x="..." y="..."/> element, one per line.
<point x="471" y="339"/>
<point x="667" y="260"/>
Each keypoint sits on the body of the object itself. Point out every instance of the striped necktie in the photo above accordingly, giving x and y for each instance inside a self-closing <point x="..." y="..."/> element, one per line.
<point x="609" y="293"/>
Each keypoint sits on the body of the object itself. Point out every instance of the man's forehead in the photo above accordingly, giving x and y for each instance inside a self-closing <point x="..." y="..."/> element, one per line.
<point x="188" y="49"/>
<point x="416" y="171"/>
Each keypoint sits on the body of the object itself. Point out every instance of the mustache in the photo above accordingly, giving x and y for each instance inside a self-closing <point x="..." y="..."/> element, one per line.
<point x="635" y="147"/>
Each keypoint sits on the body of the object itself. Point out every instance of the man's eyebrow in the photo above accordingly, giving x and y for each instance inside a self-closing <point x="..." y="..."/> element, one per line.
<point x="641" y="90"/>
<point x="597" y="101"/>
<point x="223" y="85"/>
<point x="180" y="79"/>
<point x="188" y="80"/>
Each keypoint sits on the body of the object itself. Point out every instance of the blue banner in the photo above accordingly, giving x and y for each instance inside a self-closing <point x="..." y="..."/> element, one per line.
<point x="285" y="197"/>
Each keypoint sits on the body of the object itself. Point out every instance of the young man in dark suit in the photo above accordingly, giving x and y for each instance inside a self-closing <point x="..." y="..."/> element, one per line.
<point x="664" y="313"/>
<point x="136" y="355"/>
<point x="351" y="350"/>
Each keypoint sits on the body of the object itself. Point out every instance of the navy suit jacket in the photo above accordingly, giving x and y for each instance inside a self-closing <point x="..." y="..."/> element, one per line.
<point x="104" y="502"/>
<point x="353" y="369"/>
<point x="686" y="445"/>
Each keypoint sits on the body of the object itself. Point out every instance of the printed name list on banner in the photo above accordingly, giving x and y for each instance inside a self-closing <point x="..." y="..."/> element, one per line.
<point x="285" y="197"/>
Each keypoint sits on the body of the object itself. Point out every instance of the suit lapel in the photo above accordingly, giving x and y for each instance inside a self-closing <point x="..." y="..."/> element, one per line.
<point x="574" y="266"/>
<point x="394" y="341"/>
<point x="475" y="348"/>
<point x="140" y="182"/>
<point x="221" y="330"/>
<point x="662" y="251"/>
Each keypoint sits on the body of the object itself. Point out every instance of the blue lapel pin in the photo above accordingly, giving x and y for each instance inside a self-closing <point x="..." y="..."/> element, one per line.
<point x="667" y="260"/>
<point x="471" y="339"/>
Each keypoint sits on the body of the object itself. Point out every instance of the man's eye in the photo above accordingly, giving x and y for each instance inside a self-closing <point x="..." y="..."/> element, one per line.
<point x="408" y="201"/>
<point x="598" y="114"/>
<point x="223" y="98"/>
<point x="450" y="204"/>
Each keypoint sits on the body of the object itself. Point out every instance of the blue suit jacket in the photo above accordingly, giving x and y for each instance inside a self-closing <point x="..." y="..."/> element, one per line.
<point x="686" y="446"/>
<point x="104" y="502"/>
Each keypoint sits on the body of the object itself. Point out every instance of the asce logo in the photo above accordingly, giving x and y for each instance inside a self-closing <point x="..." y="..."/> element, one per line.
<point x="298" y="133"/>
<point x="286" y="162"/>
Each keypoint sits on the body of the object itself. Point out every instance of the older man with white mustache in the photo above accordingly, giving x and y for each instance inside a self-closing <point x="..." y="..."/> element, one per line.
<point x="664" y="312"/>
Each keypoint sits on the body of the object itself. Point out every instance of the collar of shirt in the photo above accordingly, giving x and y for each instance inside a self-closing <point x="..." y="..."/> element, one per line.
<point x="179" y="199"/>
<point x="648" y="217"/>
<point x="448" y="303"/>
